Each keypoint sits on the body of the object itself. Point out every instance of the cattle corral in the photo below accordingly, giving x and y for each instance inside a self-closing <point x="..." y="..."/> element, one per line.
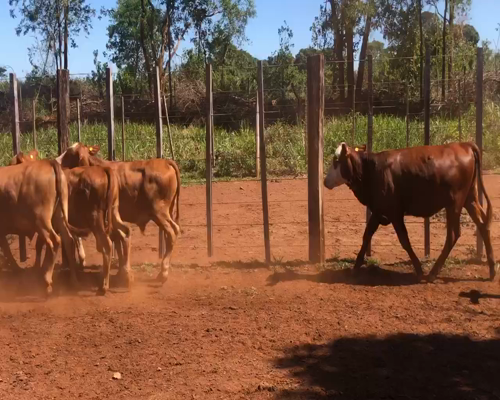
<point x="229" y="326"/>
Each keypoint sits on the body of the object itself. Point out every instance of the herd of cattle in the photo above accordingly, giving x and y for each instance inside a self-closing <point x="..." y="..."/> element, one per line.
<point x="78" y="193"/>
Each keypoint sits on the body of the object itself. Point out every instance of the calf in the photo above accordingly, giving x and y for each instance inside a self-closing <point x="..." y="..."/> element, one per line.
<point x="33" y="196"/>
<point x="417" y="181"/>
<point x="149" y="190"/>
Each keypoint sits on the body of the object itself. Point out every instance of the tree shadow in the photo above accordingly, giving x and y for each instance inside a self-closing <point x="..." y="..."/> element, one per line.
<point x="366" y="276"/>
<point x="402" y="366"/>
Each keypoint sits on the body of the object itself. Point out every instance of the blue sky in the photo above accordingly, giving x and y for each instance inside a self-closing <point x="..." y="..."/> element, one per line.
<point x="262" y="31"/>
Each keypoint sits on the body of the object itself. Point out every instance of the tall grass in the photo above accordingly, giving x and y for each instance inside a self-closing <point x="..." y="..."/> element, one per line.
<point x="235" y="150"/>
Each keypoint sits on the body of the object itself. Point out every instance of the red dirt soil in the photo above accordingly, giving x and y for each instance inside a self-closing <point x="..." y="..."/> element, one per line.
<point x="229" y="328"/>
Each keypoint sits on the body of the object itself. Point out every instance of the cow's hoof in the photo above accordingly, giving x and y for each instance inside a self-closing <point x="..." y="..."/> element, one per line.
<point x="419" y="276"/>
<point x="162" y="277"/>
<point x="431" y="278"/>
<point x="125" y="278"/>
<point x="101" y="292"/>
<point x="49" y="291"/>
<point x="493" y="272"/>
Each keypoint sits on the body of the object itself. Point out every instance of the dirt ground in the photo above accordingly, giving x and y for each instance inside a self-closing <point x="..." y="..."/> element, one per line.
<point x="230" y="328"/>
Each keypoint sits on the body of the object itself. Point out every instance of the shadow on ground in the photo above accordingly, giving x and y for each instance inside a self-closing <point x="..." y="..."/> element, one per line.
<point x="366" y="276"/>
<point x="403" y="366"/>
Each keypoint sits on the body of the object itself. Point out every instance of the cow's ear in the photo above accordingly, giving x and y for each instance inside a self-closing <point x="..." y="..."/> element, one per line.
<point x="93" y="150"/>
<point x="33" y="155"/>
<point x="345" y="150"/>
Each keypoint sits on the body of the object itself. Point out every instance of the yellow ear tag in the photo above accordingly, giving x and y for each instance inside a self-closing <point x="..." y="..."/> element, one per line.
<point x="356" y="149"/>
<point x="31" y="156"/>
<point x="90" y="148"/>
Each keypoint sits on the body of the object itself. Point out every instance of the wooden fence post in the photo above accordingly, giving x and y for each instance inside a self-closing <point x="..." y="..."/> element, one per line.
<point x="315" y="114"/>
<point x="257" y="137"/>
<point x="407" y="118"/>
<point x="208" y="157"/>
<point x="110" y="114"/>
<point x="479" y="133"/>
<point x="159" y="142"/>
<point x="124" y="154"/>
<point x="427" y="138"/>
<point x="263" y="167"/>
<point x="78" y="118"/>
<point x="369" y="133"/>
<point x="62" y="110"/>
<point x="16" y="144"/>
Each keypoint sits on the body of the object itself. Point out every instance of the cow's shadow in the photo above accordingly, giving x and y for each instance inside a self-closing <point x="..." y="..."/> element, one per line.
<point x="27" y="284"/>
<point x="341" y="271"/>
<point x="366" y="276"/>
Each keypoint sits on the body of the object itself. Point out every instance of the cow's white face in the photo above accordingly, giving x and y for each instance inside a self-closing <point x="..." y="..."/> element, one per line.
<point x="334" y="177"/>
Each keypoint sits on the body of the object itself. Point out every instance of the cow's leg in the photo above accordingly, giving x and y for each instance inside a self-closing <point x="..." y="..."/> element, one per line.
<point x="164" y="221"/>
<point x="404" y="240"/>
<point x="52" y="242"/>
<point x="371" y="228"/>
<point x="122" y="242"/>
<point x="478" y="215"/>
<point x="80" y="251"/>
<point x="38" y="248"/>
<point x="68" y="242"/>
<point x="452" y="235"/>
<point x="104" y="245"/>
<point x="11" y="261"/>
<point x="125" y="273"/>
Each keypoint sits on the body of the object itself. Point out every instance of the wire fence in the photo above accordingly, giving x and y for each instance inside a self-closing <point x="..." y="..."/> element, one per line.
<point x="398" y="121"/>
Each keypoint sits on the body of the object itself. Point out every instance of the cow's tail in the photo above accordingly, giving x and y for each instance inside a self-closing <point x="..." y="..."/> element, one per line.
<point x="174" y="165"/>
<point x="477" y="157"/>
<point x="62" y="197"/>
<point x="110" y="198"/>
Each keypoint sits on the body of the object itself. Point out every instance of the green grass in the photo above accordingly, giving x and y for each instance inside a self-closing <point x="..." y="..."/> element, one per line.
<point x="235" y="150"/>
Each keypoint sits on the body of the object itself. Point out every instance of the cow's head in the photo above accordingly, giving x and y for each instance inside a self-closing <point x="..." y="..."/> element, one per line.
<point x="342" y="169"/>
<point x="77" y="155"/>
<point x="21" y="157"/>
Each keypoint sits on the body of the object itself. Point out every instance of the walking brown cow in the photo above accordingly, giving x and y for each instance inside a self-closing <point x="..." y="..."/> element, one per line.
<point x="149" y="191"/>
<point x="417" y="181"/>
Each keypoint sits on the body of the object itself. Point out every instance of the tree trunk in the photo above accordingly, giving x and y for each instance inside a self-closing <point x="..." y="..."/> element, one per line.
<point x="66" y="33"/>
<point x="443" y="61"/>
<point x="349" y="37"/>
<point x="169" y="44"/>
<point x="362" y="56"/>
<point x="59" y="32"/>
<point x="147" y="59"/>
<point x="340" y="59"/>
<point x="450" y="34"/>
<point x="421" y="32"/>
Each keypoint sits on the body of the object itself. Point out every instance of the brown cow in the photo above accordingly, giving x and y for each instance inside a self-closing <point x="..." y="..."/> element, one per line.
<point x="4" y="245"/>
<point x="149" y="190"/>
<point x="93" y="198"/>
<point x="33" y="196"/>
<point x="417" y="181"/>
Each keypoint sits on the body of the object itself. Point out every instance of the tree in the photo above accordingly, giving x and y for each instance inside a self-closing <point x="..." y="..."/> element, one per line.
<point x="50" y="20"/>
<point x="3" y="71"/>
<point x="164" y="24"/>
<point x="340" y="25"/>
